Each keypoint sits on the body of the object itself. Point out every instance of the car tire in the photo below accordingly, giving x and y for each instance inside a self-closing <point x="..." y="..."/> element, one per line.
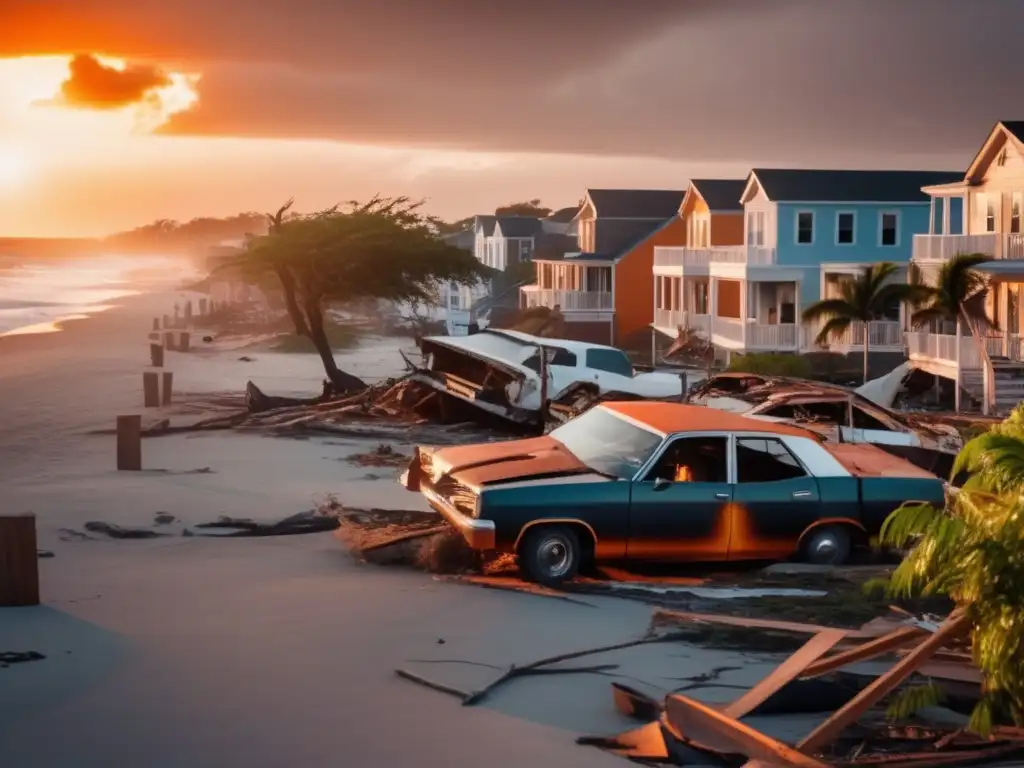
<point x="828" y="545"/>
<point x="549" y="555"/>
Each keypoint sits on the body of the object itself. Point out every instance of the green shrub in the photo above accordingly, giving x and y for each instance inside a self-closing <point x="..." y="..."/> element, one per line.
<point x="772" y="364"/>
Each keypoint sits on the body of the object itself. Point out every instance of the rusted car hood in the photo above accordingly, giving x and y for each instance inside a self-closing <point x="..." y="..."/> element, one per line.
<point x="486" y="463"/>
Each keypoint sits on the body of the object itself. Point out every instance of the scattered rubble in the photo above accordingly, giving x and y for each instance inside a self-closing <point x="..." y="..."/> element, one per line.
<point x="19" y="657"/>
<point x="384" y="455"/>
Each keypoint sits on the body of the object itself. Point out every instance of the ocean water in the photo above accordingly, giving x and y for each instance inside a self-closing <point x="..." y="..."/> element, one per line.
<point x="36" y="295"/>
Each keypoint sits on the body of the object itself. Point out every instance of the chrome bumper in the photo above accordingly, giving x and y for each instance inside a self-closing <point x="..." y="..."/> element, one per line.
<point x="479" y="534"/>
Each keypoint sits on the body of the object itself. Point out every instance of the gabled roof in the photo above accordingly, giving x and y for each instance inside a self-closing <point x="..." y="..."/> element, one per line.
<point x="1011" y="128"/>
<point x="635" y="203"/>
<point x="784" y="185"/>
<point x="720" y="194"/>
<point x="518" y="226"/>
<point x="485" y="223"/>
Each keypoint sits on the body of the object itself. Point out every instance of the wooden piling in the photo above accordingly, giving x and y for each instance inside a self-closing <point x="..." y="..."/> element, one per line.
<point x="129" y="443"/>
<point x="167" y="322"/>
<point x="188" y="311"/>
<point x="184" y="340"/>
<point x="202" y="307"/>
<point x="156" y="323"/>
<point x="169" y="341"/>
<point x="19" y="560"/>
<point x="167" y="387"/>
<point x="156" y="355"/>
<point x="151" y="389"/>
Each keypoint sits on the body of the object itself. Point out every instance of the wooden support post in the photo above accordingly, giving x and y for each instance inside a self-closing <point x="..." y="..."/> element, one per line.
<point x="168" y="386"/>
<point x="188" y="312"/>
<point x="202" y="307"/>
<point x="169" y="341"/>
<point x="156" y="323"/>
<point x="957" y="624"/>
<point x="185" y="339"/>
<point x="129" y="443"/>
<point x="156" y="355"/>
<point x="151" y="389"/>
<point x="19" y="560"/>
<point x="167" y="322"/>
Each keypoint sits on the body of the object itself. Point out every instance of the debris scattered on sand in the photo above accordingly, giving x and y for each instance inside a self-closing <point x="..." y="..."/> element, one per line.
<point x="44" y="553"/>
<point x="19" y="657"/>
<point x="120" y="532"/>
<point x="163" y="518"/>
<point x="384" y="455"/>
<point x="304" y="522"/>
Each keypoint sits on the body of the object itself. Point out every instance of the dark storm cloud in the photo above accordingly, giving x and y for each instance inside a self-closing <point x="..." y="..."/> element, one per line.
<point x="94" y="85"/>
<point x="811" y="81"/>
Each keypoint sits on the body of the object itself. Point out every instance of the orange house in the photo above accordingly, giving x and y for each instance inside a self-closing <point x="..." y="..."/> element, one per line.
<point x="712" y="222"/>
<point x="604" y="290"/>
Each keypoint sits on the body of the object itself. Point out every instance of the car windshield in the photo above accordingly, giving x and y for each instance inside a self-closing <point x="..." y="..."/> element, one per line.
<point x="608" y="444"/>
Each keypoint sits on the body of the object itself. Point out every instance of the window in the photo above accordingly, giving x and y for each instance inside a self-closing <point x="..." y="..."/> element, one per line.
<point x="610" y="360"/>
<point x="555" y="355"/>
<point x="864" y="420"/>
<point x="525" y="250"/>
<point x="755" y="228"/>
<point x="990" y="214"/>
<point x="805" y="227"/>
<point x="845" y="224"/>
<point x="453" y="301"/>
<point x="765" y="460"/>
<point x="889" y="224"/>
<point x="822" y="413"/>
<point x="604" y="442"/>
<point x="705" y="460"/>
<point x="1016" y="199"/>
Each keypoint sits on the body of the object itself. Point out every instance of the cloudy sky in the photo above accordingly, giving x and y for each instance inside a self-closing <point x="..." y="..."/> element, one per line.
<point x="114" y="112"/>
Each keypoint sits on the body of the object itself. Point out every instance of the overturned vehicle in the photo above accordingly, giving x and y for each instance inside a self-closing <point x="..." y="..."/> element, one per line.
<point x="835" y="413"/>
<point x="524" y="379"/>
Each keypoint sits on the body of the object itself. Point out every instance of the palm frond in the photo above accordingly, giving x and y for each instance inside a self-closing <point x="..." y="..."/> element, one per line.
<point x="911" y="700"/>
<point x="828" y="308"/>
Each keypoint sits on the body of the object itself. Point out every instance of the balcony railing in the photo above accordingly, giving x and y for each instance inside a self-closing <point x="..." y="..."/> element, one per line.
<point x="671" y="319"/>
<point x="941" y="248"/>
<point x="665" y="256"/>
<point x="567" y="301"/>
<point x="778" y="336"/>
<point x="941" y="348"/>
<point x="880" y="333"/>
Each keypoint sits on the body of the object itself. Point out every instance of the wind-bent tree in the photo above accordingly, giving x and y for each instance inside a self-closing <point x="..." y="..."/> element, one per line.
<point x="959" y="293"/>
<point x="384" y="249"/>
<point x="971" y="551"/>
<point x="861" y="300"/>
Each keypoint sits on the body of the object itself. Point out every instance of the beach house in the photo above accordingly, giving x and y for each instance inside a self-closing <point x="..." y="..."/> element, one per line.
<point x="604" y="288"/>
<point x="979" y="212"/>
<point x="804" y="233"/>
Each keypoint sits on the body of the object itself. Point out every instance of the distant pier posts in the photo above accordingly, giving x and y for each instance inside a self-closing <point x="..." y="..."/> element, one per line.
<point x="188" y="312"/>
<point x="156" y="355"/>
<point x="167" y="322"/>
<point x="167" y="385"/>
<point x="184" y="339"/>
<point x="156" y="323"/>
<point x="169" y="341"/>
<point x="19" y="560"/>
<point x="129" y="443"/>
<point x="202" y="307"/>
<point x="151" y="389"/>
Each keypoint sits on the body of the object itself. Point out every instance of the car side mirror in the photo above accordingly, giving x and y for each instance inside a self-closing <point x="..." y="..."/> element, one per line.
<point x="660" y="484"/>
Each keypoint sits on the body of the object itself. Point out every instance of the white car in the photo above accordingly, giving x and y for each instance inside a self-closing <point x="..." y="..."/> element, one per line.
<point x="499" y="372"/>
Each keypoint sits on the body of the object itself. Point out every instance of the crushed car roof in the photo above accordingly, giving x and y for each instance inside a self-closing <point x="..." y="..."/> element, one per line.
<point x="672" y="418"/>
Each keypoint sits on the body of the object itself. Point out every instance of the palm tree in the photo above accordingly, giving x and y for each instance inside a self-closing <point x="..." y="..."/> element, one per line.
<point x="971" y="551"/>
<point x="862" y="300"/>
<point x="959" y="293"/>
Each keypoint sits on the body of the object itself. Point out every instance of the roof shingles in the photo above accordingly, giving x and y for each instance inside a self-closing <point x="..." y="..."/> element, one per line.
<point x="635" y="203"/>
<point x="817" y="186"/>
<point x="721" y="194"/>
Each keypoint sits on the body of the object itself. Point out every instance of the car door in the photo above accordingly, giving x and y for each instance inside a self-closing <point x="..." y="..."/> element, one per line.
<point x="774" y="499"/>
<point x="610" y="369"/>
<point x="673" y="519"/>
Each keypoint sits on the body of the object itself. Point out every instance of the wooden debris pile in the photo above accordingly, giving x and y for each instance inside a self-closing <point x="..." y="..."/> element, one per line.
<point x="683" y="731"/>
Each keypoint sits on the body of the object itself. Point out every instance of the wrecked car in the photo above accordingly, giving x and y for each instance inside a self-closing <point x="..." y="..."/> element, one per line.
<point x="835" y="412"/>
<point x="665" y="482"/>
<point x="499" y="371"/>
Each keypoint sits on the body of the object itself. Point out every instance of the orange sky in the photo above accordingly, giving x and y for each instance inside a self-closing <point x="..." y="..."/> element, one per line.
<point x="174" y="110"/>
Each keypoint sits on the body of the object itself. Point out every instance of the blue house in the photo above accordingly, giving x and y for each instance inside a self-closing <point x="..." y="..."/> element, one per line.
<point x="805" y="232"/>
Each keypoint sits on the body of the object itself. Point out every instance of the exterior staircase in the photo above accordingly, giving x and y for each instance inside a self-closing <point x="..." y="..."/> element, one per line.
<point x="1008" y="378"/>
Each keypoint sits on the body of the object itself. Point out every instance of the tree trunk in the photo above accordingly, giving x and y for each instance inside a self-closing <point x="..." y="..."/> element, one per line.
<point x="867" y="327"/>
<point x="291" y="302"/>
<point x="340" y="381"/>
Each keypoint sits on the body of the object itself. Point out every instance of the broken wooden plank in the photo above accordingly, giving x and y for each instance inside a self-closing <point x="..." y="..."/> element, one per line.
<point x="869" y="650"/>
<point x="785" y="673"/>
<point x="746" y="622"/>
<point x="713" y="730"/>
<point x="644" y="743"/>
<point x="635" y="704"/>
<point x="956" y="625"/>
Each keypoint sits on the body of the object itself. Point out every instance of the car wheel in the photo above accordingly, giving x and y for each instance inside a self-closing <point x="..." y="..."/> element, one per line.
<point x="549" y="554"/>
<point x="828" y="545"/>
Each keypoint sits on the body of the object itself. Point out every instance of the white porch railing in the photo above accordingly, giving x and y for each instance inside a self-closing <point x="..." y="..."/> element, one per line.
<point x="671" y="256"/>
<point x="941" y="248"/>
<point x="567" y="301"/>
<point x="729" y="328"/>
<point x="941" y="348"/>
<point x="779" y="336"/>
<point x="881" y="333"/>
<point x="680" y="318"/>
